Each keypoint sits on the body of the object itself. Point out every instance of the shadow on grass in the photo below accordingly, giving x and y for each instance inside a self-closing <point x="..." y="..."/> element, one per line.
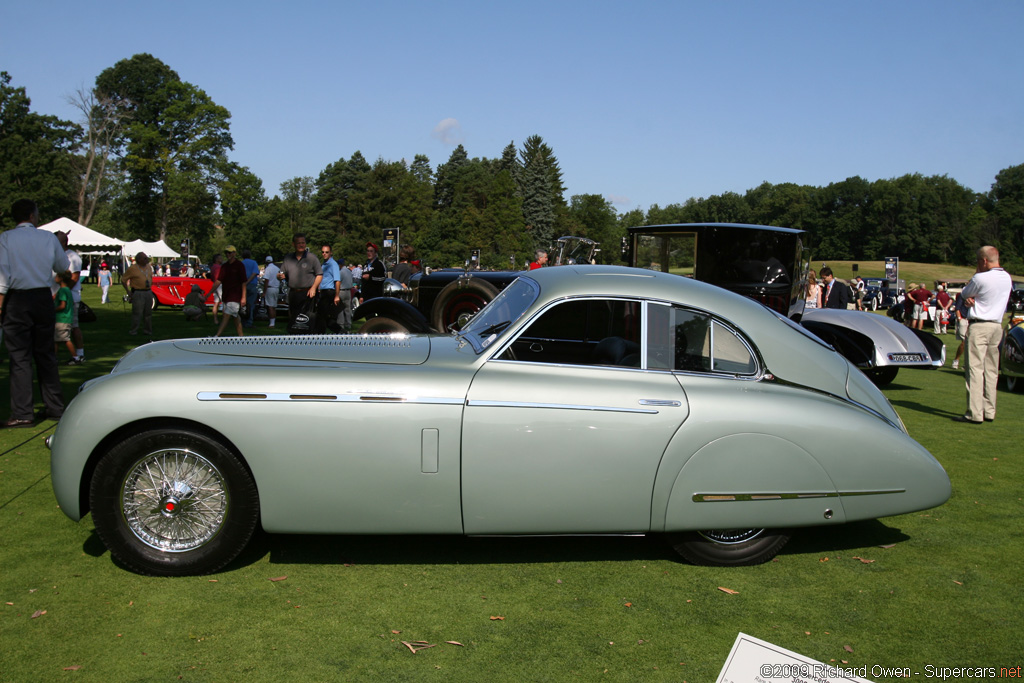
<point x="925" y="409"/>
<point x="418" y="549"/>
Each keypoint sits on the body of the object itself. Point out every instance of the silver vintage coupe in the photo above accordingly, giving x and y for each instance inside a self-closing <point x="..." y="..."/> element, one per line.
<point x="581" y="400"/>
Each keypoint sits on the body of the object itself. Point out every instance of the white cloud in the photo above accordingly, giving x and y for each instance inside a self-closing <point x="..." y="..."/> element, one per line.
<point x="449" y="131"/>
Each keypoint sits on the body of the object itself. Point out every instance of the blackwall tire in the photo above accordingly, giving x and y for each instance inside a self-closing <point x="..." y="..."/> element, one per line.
<point x="173" y="502"/>
<point x="729" y="547"/>
<point x="883" y="376"/>
<point x="459" y="301"/>
<point x="382" y="325"/>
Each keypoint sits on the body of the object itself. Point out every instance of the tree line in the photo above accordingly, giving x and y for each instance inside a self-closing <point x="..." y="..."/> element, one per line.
<point x="150" y="159"/>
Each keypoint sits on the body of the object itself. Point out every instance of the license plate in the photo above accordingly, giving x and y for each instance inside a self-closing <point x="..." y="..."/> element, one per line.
<point x="906" y="357"/>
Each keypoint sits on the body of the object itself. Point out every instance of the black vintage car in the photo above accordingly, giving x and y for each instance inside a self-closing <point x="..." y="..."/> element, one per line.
<point x="441" y="300"/>
<point x="1015" y="304"/>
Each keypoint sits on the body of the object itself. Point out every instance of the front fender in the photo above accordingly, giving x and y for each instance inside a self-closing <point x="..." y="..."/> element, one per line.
<point x="396" y="309"/>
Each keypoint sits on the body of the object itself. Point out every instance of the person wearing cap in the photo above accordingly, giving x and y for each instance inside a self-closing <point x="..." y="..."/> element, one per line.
<point x="302" y="271"/>
<point x="271" y="289"/>
<point x="232" y="281"/>
<point x="374" y="274"/>
<point x="137" y="282"/>
<point x="195" y="304"/>
<point x="104" y="282"/>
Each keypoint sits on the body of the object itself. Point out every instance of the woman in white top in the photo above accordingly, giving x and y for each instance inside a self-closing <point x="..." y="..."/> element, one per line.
<point x="812" y="292"/>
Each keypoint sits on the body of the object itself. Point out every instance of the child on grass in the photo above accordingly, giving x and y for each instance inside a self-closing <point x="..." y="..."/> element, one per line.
<point x="63" y="302"/>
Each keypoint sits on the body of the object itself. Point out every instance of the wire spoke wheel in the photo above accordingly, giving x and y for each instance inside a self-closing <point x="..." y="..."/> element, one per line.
<point x="174" y="500"/>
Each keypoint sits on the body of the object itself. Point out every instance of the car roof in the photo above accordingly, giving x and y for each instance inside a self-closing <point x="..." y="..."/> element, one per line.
<point x="699" y="227"/>
<point x="585" y="280"/>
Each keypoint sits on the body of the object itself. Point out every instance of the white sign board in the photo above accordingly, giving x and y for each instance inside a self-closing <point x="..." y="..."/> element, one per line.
<point x="756" y="661"/>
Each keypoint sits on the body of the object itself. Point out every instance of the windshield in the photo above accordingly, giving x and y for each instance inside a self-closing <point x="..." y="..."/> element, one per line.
<point x="496" y="316"/>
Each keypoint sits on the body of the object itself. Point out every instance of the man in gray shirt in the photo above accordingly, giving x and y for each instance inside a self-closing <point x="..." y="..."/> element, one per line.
<point x="303" y="273"/>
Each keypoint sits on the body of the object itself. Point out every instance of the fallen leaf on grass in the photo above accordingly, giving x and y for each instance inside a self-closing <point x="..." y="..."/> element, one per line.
<point x="497" y="618"/>
<point x="629" y="604"/>
<point x="73" y="667"/>
<point x="728" y="590"/>
<point x="824" y="559"/>
<point x="863" y="560"/>
<point x="887" y="546"/>
<point x="848" y="649"/>
<point x="278" y="578"/>
<point x="38" y="613"/>
<point x="417" y="645"/>
<point x="454" y="642"/>
<point x="959" y="583"/>
<point x="395" y="632"/>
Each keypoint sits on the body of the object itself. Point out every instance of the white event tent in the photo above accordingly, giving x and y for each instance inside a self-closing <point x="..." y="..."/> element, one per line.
<point x="84" y="240"/>
<point x="156" y="249"/>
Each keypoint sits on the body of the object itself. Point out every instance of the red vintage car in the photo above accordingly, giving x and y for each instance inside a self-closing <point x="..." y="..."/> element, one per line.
<point x="171" y="291"/>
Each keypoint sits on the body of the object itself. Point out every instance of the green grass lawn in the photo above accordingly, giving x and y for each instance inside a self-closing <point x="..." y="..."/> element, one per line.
<point x="941" y="587"/>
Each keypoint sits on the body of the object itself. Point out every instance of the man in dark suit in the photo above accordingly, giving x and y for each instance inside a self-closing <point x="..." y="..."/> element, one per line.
<point x="837" y="294"/>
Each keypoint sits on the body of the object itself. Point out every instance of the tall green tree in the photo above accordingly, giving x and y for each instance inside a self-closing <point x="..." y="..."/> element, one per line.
<point x="35" y="156"/>
<point x="175" y="144"/>
<point x="596" y="218"/>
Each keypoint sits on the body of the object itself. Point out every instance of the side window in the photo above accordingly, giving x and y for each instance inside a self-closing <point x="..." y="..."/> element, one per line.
<point x="582" y="332"/>
<point x="690" y="341"/>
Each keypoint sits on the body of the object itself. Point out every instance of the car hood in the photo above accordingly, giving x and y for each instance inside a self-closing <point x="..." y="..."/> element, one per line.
<point x="378" y="348"/>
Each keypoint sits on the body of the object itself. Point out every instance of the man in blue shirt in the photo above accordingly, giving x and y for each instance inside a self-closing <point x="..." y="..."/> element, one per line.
<point x="252" y="279"/>
<point x="330" y="293"/>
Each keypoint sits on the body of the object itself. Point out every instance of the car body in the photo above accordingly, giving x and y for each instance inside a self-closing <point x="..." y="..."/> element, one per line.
<point x="1011" y="355"/>
<point x="1015" y="304"/>
<point x="769" y="264"/>
<point x="878" y="293"/>
<point x="581" y="400"/>
<point x="171" y="291"/>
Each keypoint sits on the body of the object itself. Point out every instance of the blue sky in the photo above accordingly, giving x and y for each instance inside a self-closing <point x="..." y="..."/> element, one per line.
<point x="642" y="102"/>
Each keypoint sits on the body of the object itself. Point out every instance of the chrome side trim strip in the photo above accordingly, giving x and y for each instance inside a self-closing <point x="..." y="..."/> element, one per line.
<point x="557" y="406"/>
<point x="734" y="497"/>
<point x="328" y="398"/>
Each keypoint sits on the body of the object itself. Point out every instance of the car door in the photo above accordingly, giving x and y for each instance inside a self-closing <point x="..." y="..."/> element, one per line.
<point x="564" y="427"/>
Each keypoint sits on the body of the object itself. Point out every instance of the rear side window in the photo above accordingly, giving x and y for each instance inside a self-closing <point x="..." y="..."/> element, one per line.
<point x="692" y="341"/>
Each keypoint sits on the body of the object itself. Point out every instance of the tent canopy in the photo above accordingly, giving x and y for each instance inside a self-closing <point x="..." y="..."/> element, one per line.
<point x="82" y="238"/>
<point x="152" y="249"/>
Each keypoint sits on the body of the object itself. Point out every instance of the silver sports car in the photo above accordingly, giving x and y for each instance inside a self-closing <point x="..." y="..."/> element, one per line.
<point x="581" y="400"/>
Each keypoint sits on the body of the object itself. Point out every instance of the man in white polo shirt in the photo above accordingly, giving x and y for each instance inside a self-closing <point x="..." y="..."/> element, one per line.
<point x="986" y="295"/>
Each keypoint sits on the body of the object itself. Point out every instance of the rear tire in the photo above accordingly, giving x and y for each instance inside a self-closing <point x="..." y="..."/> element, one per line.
<point x="729" y="547"/>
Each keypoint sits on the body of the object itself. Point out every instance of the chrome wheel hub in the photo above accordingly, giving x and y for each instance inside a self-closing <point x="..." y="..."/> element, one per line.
<point x="731" y="536"/>
<point x="174" y="500"/>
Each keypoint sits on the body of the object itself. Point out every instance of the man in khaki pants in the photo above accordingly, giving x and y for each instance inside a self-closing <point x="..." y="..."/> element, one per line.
<point x="986" y="295"/>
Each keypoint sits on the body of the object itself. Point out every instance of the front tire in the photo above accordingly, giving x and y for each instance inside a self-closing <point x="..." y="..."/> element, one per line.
<point x="882" y="376"/>
<point x="729" y="547"/>
<point x="173" y="502"/>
